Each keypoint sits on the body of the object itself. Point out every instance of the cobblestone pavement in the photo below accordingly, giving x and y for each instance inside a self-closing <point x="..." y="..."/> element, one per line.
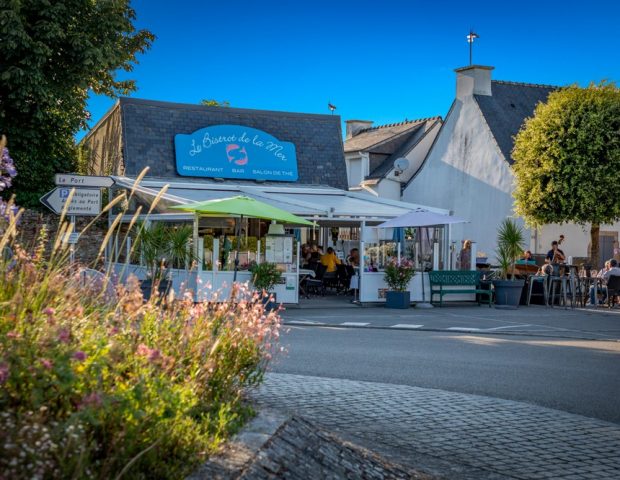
<point x="452" y="434"/>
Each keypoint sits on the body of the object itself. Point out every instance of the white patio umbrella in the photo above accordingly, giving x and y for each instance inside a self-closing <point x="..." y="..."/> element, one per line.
<point x="420" y="217"/>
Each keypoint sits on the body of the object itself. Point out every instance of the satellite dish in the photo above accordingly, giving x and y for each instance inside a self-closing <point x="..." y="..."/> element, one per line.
<point x="400" y="165"/>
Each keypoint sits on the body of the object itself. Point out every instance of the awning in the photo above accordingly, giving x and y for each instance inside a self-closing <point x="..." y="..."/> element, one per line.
<point x="317" y="203"/>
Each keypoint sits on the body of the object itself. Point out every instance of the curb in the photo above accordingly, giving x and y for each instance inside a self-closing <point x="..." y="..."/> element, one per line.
<point x="229" y="463"/>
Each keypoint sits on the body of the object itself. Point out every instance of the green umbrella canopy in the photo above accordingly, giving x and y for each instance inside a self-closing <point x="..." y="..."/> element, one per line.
<point x="243" y="206"/>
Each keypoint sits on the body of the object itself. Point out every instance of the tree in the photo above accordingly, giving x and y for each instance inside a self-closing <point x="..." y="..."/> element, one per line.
<point x="209" y="102"/>
<point x="52" y="55"/>
<point x="567" y="160"/>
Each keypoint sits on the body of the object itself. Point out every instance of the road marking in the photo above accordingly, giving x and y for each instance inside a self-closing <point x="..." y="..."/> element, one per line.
<point x="354" y="324"/>
<point x="508" y="326"/>
<point x="406" y="325"/>
<point x="303" y="322"/>
<point x="464" y="329"/>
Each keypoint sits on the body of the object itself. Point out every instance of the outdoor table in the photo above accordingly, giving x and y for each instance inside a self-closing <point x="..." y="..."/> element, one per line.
<point x="304" y="273"/>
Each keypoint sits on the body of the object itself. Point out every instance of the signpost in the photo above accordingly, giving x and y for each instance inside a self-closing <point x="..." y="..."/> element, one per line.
<point x="88" y="181"/>
<point x="85" y="201"/>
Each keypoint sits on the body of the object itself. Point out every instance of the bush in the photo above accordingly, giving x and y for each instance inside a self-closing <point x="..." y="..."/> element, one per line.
<point x="265" y="276"/>
<point x="93" y="388"/>
<point x="398" y="275"/>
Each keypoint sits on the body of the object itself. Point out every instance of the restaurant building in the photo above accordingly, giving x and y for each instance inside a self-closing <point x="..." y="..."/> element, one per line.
<point x="293" y="161"/>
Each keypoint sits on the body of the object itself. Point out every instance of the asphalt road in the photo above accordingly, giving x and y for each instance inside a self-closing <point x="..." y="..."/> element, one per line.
<point x="602" y="323"/>
<point x="570" y="374"/>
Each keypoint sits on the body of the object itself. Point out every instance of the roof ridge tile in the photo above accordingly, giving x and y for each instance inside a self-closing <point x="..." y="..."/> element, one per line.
<point x="525" y="84"/>
<point x="404" y="122"/>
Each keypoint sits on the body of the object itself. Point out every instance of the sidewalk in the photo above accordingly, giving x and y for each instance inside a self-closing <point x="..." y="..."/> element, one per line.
<point x="458" y="435"/>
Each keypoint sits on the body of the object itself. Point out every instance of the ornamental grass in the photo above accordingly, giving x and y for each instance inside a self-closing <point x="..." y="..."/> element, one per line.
<point x="99" y="383"/>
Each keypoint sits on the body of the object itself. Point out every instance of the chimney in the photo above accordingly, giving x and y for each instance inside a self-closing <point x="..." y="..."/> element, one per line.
<point x="355" y="126"/>
<point x="473" y="80"/>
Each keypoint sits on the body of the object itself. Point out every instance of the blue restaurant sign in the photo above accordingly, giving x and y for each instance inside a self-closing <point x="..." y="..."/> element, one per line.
<point x="235" y="151"/>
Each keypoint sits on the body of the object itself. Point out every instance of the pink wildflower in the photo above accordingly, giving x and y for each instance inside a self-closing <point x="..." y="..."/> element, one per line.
<point x="154" y="355"/>
<point x="13" y="334"/>
<point x="49" y="311"/>
<point x="143" y="350"/>
<point x="79" y="356"/>
<point x="46" y="363"/>
<point x="4" y="372"/>
<point x="63" y="335"/>
<point x="92" y="399"/>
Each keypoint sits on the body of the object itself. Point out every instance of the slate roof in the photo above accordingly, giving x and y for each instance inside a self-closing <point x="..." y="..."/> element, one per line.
<point x="418" y="134"/>
<point x="149" y="128"/>
<point x="371" y="137"/>
<point x="508" y="107"/>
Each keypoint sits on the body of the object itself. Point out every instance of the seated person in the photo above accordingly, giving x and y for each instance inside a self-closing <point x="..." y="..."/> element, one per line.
<point x="354" y="257"/>
<point x="315" y="257"/>
<point x="305" y="253"/>
<point x="611" y="268"/>
<point x="330" y="260"/>
<point x="526" y="259"/>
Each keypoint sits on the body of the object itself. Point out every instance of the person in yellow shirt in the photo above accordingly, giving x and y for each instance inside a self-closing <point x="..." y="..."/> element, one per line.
<point x="330" y="260"/>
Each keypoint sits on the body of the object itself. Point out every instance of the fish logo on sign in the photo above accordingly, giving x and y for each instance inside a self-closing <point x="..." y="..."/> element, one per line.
<point x="236" y="154"/>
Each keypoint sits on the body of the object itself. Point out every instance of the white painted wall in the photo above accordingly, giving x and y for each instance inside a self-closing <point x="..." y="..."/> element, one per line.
<point x="357" y="167"/>
<point x="387" y="188"/>
<point x="466" y="173"/>
<point x="417" y="155"/>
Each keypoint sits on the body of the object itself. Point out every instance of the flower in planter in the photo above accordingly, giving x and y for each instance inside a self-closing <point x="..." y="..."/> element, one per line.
<point x="399" y="274"/>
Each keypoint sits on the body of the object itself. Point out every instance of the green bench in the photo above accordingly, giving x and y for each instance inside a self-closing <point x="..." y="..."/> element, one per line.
<point x="457" y="278"/>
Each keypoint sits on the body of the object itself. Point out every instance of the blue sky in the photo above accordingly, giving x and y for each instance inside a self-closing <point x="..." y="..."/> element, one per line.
<point x="382" y="60"/>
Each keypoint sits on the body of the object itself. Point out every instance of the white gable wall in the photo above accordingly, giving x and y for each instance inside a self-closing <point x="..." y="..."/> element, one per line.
<point x="466" y="173"/>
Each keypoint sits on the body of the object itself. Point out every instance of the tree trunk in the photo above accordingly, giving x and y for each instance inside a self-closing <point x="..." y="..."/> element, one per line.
<point x="594" y="246"/>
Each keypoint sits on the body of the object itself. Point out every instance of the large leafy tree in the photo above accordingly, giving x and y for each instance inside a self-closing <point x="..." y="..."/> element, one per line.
<point x="52" y="55"/>
<point x="567" y="160"/>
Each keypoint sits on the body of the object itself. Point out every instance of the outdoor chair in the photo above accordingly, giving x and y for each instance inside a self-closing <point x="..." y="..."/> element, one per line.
<point x="613" y="290"/>
<point x="344" y="277"/>
<point x="544" y="282"/>
<point x="560" y="281"/>
<point x="316" y="284"/>
<point x="330" y="280"/>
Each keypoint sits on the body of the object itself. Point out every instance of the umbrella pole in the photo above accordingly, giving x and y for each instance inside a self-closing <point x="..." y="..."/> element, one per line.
<point x="424" y="303"/>
<point x="237" y="235"/>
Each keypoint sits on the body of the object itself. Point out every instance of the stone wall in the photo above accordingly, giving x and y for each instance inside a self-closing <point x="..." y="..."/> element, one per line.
<point x="32" y="222"/>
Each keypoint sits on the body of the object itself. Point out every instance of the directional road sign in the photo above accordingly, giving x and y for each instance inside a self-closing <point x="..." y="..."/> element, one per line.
<point x="71" y="180"/>
<point x="85" y="201"/>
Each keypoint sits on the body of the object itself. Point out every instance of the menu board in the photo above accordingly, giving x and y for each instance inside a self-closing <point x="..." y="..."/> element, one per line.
<point x="279" y="249"/>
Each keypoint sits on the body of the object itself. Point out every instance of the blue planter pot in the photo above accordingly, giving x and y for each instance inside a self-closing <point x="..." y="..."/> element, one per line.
<point x="395" y="299"/>
<point x="508" y="293"/>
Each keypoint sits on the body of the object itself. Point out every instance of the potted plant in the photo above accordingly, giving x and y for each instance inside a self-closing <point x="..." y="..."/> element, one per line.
<point x="264" y="277"/>
<point x="397" y="276"/>
<point x="162" y="247"/>
<point x="510" y="242"/>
